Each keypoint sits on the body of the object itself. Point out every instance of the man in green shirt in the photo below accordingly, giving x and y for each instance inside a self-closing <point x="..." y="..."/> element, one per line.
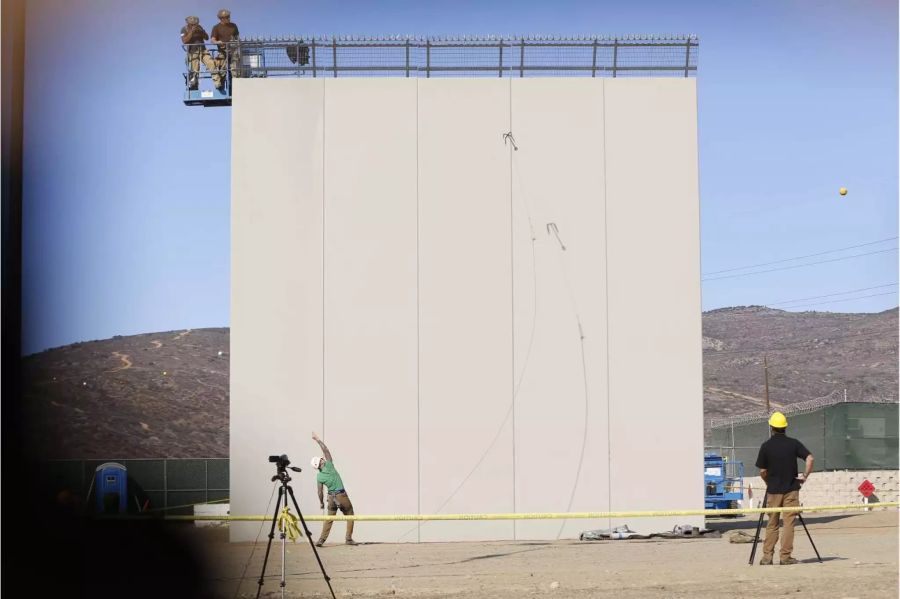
<point x="337" y="496"/>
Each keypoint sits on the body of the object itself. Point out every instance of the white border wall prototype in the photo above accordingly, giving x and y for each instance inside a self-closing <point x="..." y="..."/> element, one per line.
<point x="483" y="293"/>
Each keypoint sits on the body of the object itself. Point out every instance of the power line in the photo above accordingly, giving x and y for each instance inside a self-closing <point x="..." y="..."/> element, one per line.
<point x="846" y="299"/>
<point x="759" y="272"/>
<point x="829" y="294"/>
<point x="784" y="310"/>
<point x="849" y="247"/>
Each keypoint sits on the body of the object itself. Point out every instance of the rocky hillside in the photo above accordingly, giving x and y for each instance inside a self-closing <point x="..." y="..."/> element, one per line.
<point x="148" y="396"/>
<point x="810" y="354"/>
<point x="166" y="394"/>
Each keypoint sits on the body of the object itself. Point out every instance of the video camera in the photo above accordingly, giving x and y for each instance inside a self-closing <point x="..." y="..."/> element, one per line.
<point x="283" y="464"/>
<point x="282" y="461"/>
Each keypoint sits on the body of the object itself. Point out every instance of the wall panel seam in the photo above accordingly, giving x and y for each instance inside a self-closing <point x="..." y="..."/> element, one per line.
<point x="324" y="204"/>
<point x="418" y="344"/>
<point x="512" y="313"/>
<point x="606" y="292"/>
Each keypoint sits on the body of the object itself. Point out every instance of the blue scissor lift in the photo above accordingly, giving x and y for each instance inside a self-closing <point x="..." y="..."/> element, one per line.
<point x="250" y="61"/>
<point x="723" y="482"/>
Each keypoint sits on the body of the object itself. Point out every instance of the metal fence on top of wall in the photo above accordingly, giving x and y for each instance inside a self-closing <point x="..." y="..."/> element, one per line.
<point x="541" y="56"/>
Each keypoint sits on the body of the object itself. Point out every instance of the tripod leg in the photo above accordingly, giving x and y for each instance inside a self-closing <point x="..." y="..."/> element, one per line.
<point x="309" y="538"/>
<point x="262" y="574"/>
<point x="758" y="528"/>
<point x="800" y="517"/>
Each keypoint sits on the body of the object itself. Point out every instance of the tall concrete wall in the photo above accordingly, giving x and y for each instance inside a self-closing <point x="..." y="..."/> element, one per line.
<point x="473" y="328"/>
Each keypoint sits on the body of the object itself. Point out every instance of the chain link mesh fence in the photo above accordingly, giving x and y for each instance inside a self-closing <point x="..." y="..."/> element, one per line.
<point x="628" y="56"/>
<point x="847" y="435"/>
<point x="172" y="486"/>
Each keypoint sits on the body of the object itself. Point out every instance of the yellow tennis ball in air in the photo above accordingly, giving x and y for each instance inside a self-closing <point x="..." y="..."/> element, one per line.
<point x="842" y="191"/>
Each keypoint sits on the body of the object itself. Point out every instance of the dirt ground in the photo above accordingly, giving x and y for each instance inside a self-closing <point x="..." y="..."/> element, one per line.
<point x="859" y="552"/>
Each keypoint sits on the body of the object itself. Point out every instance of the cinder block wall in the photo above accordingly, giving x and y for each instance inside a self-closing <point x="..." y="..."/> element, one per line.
<point x="839" y="487"/>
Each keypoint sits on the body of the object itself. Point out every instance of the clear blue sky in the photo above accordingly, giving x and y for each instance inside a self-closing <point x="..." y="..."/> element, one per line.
<point x="126" y="209"/>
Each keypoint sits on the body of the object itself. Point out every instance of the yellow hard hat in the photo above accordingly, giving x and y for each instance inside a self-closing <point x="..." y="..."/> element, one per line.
<point x="777" y="420"/>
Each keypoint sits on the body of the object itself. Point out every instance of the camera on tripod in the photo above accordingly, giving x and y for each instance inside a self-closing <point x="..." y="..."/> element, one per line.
<point x="281" y="462"/>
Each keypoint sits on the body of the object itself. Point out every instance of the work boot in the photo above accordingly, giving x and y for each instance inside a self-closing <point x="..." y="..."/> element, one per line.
<point x="788" y="561"/>
<point x="320" y="542"/>
<point x="765" y="561"/>
<point x="351" y="542"/>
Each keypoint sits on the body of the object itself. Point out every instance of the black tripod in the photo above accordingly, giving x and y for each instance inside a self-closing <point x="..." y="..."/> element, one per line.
<point x="283" y="491"/>
<point x="759" y="527"/>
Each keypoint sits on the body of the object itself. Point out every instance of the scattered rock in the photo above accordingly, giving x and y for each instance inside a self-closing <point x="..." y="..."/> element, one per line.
<point x="554" y="585"/>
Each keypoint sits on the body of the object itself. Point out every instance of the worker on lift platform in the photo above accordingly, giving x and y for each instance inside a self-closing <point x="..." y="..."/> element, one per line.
<point x="194" y="37"/>
<point x="225" y="33"/>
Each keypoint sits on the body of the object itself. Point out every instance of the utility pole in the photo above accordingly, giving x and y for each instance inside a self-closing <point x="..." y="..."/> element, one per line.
<point x="768" y="407"/>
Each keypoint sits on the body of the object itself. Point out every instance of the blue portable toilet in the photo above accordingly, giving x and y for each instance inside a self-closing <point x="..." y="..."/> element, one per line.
<point x="111" y="483"/>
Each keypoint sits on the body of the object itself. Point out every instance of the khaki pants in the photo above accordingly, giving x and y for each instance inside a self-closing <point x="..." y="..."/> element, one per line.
<point x="194" y="57"/>
<point x="789" y="499"/>
<point x="233" y="58"/>
<point x="339" y="500"/>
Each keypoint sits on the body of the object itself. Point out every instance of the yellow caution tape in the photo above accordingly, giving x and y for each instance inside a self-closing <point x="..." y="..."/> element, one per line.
<point x="556" y="515"/>
<point x="287" y="523"/>
<point x="181" y="507"/>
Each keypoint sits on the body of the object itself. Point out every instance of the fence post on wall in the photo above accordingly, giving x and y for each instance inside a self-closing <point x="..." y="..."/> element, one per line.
<point x="299" y="62"/>
<point x="314" y="56"/>
<point x="594" y="60"/>
<point x="427" y="58"/>
<point x="407" y="57"/>
<point x="615" y="55"/>
<point x="334" y="55"/>
<point x="522" y="58"/>
<point x="500" y="68"/>
<point x="687" y="56"/>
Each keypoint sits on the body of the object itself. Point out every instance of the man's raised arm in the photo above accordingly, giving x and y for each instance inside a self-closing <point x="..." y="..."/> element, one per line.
<point x="322" y="445"/>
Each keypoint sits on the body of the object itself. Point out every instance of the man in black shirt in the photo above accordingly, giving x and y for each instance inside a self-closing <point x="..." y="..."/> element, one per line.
<point x="777" y="463"/>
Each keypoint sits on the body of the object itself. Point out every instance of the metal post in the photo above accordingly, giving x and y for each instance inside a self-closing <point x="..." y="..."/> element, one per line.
<point x="427" y="59"/>
<point x="766" y="367"/>
<point x="165" y="484"/>
<point x="407" y="57"/>
<point x="758" y="528"/>
<point x="615" y="55"/>
<point x="824" y="441"/>
<point x="206" y="462"/>
<point x="299" y="61"/>
<point x="522" y="59"/>
<point x="687" y="56"/>
<point x="334" y="55"/>
<point x="500" y="69"/>
<point x="313" y="56"/>
<point x="594" y="61"/>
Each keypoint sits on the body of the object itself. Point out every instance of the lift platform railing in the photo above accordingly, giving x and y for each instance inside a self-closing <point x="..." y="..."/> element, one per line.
<point x="206" y="66"/>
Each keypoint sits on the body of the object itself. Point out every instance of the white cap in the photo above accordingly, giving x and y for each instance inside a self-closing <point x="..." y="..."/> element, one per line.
<point x="315" y="461"/>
